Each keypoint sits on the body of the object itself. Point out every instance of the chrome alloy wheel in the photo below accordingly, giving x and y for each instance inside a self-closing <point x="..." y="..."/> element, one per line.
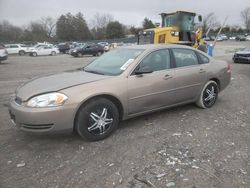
<point x="99" y="122"/>
<point x="210" y="95"/>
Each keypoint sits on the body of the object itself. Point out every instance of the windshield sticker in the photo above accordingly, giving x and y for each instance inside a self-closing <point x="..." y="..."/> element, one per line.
<point x="125" y="65"/>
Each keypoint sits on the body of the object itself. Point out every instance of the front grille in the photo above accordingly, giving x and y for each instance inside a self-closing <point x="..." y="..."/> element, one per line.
<point x="18" y="100"/>
<point x="37" y="127"/>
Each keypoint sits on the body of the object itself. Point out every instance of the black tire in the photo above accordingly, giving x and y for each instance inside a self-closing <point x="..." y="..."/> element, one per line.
<point x="99" y="54"/>
<point x="204" y="100"/>
<point x="21" y="52"/>
<point x="202" y="48"/>
<point x="34" y="54"/>
<point x="79" y="54"/>
<point x="53" y="53"/>
<point x="86" y="115"/>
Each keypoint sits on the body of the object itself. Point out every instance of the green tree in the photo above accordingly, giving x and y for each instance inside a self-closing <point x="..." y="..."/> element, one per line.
<point x="135" y="30"/>
<point x="147" y="24"/>
<point x="9" y="32"/>
<point x="115" y="30"/>
<point x="70" y="27"/>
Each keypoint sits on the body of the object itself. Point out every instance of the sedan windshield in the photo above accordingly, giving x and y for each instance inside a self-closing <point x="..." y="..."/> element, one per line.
<point x="114" y="62"/>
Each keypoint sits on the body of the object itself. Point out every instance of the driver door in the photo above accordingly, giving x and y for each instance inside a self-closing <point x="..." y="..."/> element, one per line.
<point x="154" y="90"/>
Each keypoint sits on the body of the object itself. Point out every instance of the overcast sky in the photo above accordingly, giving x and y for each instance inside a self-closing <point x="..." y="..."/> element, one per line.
<point x="129" y="12"/>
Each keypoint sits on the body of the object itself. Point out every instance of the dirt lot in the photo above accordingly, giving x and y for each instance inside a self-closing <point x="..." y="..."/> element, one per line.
<point x="180" y="147"/>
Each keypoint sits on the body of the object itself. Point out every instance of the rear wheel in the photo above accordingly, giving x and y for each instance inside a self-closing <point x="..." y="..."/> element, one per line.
<point x="97" y="119"/>
<point x="34" y="54"/>
<point x="53" y="53"/>
<point x="21" y="52"/>
<point x="208" y="95"/>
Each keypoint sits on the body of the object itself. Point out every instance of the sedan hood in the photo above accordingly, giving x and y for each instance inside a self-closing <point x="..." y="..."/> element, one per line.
<point x="243" y="52"/>
<point x="56" y="82"/>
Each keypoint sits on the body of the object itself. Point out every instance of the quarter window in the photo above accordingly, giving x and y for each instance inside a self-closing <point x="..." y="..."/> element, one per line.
<point x="185" y="57"/>
<point x="203" y="58"/>
<point x="158" y="60"/>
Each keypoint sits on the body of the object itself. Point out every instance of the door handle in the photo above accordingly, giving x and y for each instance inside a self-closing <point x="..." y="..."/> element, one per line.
<point x="202" y="71"/>
<point x="166" y="77"/>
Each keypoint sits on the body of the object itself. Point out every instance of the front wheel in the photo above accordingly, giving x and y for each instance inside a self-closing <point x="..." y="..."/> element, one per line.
<point x="97" y="119"/>
<point x="99" y="53"/>
<point x="53" y="53"/>
<point x="209" y="95"/>
<point x="34" y="54"/>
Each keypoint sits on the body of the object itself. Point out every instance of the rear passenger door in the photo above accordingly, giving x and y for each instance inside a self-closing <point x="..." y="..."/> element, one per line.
<point x="13" y="49"/>
<point x="190" y="75"/>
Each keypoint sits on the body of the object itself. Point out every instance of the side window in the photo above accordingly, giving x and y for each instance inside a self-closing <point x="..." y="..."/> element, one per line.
<point x="185" y="57"/>
<point x="203" y="58"/>
<point x="13" y="46"/>
<point x="161" y="38"/>
<point x="158" y="60"/>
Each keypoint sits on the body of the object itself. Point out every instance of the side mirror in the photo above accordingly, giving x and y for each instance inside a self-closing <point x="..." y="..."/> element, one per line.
<point x="200" y="18"/>
<point x="144" y="70"/>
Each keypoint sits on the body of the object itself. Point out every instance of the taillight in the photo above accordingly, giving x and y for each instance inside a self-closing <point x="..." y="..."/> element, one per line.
<point x="229" y="68"/>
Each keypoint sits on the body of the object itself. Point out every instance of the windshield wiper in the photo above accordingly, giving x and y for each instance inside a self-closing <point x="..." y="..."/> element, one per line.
<point x="94" y="72"/>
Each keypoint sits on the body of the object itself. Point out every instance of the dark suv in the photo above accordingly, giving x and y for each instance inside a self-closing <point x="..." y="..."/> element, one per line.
<point x="63" y="48"/>
<point x="89" y="49"/>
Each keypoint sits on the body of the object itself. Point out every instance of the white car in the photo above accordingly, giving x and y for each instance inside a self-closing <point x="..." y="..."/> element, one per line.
<point x="45" y="50"/>
<point x="105" y="45"/>
<point x="3" y="53"/>
<point x="30" y="49"/>
<point x="16" y="49"/>
<point x="248" y="37"/>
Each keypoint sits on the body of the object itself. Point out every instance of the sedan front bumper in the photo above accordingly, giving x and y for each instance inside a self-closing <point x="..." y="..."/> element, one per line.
<point x="52" y="119"/>
<point x="240" y="59"/>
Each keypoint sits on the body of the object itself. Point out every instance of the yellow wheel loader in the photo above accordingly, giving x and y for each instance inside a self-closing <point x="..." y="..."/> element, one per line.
<point x="177" y="28"/>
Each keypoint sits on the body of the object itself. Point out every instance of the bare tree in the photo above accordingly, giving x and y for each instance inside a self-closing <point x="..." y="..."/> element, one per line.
<point x="209" y="22"/>
<point x="245" y="15"/>
<point x="101" y="20"/>
<point x="49" y="25"/>
<point x="99" y="24"/>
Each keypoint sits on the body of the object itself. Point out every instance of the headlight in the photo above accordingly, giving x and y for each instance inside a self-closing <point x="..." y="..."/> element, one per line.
<point x="47" y="100"/>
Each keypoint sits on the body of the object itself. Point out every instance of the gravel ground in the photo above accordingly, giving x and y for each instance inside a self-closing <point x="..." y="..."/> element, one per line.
<point x="179" y="147"/>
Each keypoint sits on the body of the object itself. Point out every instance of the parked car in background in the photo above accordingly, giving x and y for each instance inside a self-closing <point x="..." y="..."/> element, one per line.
<point x="209" y="38"/>
<point x="219" y="38"/>
<point x="232" y="38"/>
<point x="248" y="37"/>
<point x="106" y="46"/>
<point x="16" y="49"/>
<point x="3" y="53"/>
<point x="223" y="37"/>
<point x="123" y="83"/>
<point x="44" y="50"/>
<point x="240" y="38"/>
<point x="88" y="49"/>
<point x="75" y="46"/>
<point x="242" y="56"/>
<point x="63" y="48"/>
<point x="30" y="49"/>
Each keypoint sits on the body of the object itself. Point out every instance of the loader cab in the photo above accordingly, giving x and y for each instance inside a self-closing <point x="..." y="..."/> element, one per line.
<point x="184" y="21"/>
<point x="177" y="27"/>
